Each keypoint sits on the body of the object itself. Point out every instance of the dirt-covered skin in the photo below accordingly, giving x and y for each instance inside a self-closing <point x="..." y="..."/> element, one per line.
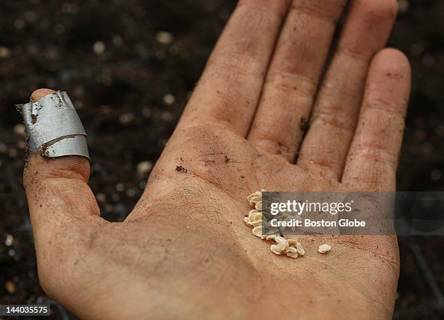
<point x="184" y="251"/>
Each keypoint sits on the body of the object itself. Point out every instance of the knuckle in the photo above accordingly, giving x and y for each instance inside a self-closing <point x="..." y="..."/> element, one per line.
<point x="377" y="152"/>
<point x="326" y="10"/>
<point x="274" y="146"/>
<point x="328" y="117"/>
<point x="292" y="84"/>
<point x="270" y="6"/>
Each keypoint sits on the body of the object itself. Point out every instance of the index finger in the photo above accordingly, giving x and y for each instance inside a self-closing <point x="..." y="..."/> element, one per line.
<point x="230" y="86"/>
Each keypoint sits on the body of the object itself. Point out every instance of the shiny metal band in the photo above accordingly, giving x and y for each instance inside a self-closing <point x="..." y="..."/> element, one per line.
<point x="53" y="127"/>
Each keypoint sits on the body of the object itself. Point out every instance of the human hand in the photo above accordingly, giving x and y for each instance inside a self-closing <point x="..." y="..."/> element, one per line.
<point x="184" y="252"/>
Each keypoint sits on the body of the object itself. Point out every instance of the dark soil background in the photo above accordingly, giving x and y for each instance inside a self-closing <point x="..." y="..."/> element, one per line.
<point x="129" y="66"/>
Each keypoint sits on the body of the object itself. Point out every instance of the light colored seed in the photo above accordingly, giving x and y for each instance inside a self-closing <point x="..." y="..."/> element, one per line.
<point x="275" y="250"/>
<point x="254" y="218"/>
<point x="254" y="195"/>
<point x="296" y="244"/>
<point x="257" y="231"/>
<point x="256" y="223"/>
<point x="300" y="248"/>
<point x="292" y="252"/>
<point x="254" y="215"/>
<point x="324" y="248"/>
<point x="271" y="237"/>
<point x="247" y="221"/>
<point x="254" y="198"/>
<point x="280" y="239"/>
<point x="292" y="248"/>
<point x="280" y="246"/>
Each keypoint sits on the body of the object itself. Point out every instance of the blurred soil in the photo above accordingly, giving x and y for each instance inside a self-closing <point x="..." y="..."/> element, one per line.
<point x="129" y="67"/>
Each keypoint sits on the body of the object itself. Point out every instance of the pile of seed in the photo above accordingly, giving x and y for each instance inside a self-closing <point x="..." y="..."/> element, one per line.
<point x="290" y="247"/>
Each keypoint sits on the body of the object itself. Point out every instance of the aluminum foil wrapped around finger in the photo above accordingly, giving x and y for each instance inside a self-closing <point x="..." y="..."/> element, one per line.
<point x="53" y="127"/>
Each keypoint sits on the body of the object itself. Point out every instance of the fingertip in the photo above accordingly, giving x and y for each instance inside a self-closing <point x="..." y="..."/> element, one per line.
<point x="389" y="82"/>
<point x="392" y="60"/>
<point x="72" y="167"/>
<point x="40" y="93"/>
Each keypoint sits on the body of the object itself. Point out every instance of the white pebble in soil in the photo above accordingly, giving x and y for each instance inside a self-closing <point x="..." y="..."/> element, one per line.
<point x="99" y="47"/>
<point x="9" y="240"/>
<point x="164" y="37"/>
<point x="169" y="99"/>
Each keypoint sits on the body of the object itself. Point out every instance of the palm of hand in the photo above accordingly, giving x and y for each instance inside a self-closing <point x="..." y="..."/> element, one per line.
<point x="205" y="186"/>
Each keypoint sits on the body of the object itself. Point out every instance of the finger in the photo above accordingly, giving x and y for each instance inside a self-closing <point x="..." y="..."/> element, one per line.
<point x="230" y="86"/>
<point x="61" y="204"/>
<point x="373" y="156"/>
<point x="293" y="77"/>
<point x="334" y="117"/>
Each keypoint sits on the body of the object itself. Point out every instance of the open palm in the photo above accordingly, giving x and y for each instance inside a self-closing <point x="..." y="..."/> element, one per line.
<point x="184" y="252"/>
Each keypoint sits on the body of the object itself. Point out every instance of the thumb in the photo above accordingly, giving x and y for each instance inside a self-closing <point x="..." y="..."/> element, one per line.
<point x="62" y="207"/>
